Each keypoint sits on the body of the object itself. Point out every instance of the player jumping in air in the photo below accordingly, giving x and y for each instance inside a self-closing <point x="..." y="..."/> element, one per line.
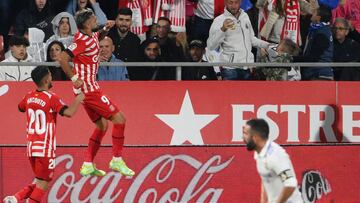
<point x="41" y="107"/>
<point x="85" y="54"/>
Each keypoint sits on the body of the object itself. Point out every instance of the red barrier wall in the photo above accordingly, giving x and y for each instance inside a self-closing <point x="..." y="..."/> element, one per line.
<point x="297" y="112"/>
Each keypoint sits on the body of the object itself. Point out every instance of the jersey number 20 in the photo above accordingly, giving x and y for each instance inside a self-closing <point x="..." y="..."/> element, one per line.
<point x="38" y="118"/>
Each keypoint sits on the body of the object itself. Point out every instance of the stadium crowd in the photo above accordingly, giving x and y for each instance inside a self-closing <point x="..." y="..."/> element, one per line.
<point x="189" y="31"/>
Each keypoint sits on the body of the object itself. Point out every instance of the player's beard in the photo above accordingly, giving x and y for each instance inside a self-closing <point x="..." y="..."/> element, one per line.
<point x="50" y="85"/>
<point x="250" y="145"/>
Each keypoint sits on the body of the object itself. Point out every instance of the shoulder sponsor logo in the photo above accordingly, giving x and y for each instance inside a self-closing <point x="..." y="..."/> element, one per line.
<point x="72" y="47"/>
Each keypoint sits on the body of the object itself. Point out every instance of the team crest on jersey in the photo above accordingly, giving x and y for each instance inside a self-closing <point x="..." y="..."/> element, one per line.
<point x="95" y="58"/>
<point x="72" y="47"/>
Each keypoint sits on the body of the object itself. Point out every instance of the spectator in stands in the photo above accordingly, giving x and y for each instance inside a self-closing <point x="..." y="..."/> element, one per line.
<point x="18" y="51"/>
<point x="233" y="33"/>
<point x="106" y="55"/>
<point x="126" y="43"/>
<point x="64" y="28"/>
<point x="345" y="50"/>
<point x="205" y="13"/>
<point x="76" y="5"/>
<point x="281" y="23"/>
<point x="38" y="14"/>
<point x="350" y="10"/>
<point x="282" y="53"/>
<point x="53" y="51"/>
<point x="171" y="51"/>
<point x="319" y="46"/>
<point x="151" y="52"/>
<point x="197" y="50"/>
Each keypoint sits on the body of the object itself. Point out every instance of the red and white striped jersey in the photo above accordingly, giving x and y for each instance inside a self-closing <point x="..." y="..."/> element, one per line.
<point x="41" y="109"/>
<point x="85" y="53"/>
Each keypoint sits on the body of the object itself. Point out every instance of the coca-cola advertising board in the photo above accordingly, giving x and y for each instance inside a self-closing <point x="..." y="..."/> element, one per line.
<point x="188" y="174"/>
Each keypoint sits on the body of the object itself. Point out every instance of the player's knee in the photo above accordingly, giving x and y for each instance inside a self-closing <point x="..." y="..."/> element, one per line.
<point x="42" y="184"/>
<point x="102" y="124"/>
<point x="118" y="118"/>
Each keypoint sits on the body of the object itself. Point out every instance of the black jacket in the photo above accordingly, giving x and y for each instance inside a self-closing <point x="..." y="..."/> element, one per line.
<point x="31" y="17"/>
<point x="348" y="51"/>
<point x="198" y="73"/>
<point x="126" y="49"/>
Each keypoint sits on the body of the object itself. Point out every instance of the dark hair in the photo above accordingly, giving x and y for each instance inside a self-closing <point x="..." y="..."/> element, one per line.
<point x="260" y="126"/>
<point x="125" y="11"/>
<point x="165" y="18"/>
<point x="18" y="40"/>
<point x="82" y="16"/>
<point x="39" y="73"/>
<point x="325" y="13"/>
<point x="62" y="47"/>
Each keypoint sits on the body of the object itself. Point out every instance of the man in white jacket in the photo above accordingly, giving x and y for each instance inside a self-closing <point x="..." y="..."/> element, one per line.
<point x="18" y="54"/>
<point x="233" y="34"/>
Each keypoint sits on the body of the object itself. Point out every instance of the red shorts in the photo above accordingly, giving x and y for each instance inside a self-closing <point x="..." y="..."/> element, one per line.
<point x="98" y="105"/>
<point x="43" y="167"/>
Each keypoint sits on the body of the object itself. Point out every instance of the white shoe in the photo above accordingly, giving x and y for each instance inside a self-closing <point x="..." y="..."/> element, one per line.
<point x="10" y="199"/>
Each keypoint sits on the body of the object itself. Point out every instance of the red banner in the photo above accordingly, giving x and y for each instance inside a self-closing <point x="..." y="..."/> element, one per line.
<point x="187" y="174"/>
<point x="200" y="113"/>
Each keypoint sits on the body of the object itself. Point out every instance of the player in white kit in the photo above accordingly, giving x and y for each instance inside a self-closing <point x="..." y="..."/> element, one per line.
<point x="279" y="184"/>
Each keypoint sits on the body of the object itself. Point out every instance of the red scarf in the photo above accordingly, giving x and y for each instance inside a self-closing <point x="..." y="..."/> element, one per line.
<point x="291" y="29"/>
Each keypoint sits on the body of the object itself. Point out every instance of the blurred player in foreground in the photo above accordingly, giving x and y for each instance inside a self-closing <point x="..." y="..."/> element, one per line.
<point x="41" y="107"/>
<point x="279" y="184"/>
<point x="85" y="54"/>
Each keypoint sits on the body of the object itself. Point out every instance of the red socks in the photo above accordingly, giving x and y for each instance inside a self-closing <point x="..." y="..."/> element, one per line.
<point x="25" y="192"/>
<point x="118" y="139"/>
<point x="94" y="144"/>
<point x="36" y="195"/>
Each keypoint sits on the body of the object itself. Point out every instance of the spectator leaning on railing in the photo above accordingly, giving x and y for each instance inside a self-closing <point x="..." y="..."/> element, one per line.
<point x="18" y="54"/>
<point x="233" y="33"/>
<point x="319" y="46"/>
<point x="106" y="55"/>
<point x="53" y="51"/>
<point x="197" y="50"/>
<point x="345" y="50"/>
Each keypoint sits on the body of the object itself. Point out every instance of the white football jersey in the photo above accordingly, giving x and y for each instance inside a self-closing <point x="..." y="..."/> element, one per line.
<point x="276" y="172"/>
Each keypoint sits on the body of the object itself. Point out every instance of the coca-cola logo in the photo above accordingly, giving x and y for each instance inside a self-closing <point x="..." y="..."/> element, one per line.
<point x="67" y="187"/>
<point x="314" y="186"/>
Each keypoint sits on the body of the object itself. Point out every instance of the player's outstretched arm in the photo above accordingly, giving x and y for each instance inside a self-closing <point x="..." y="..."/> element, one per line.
<point x="64" y="60"/>
<point x="285" y="194"/>
<point x="71" y="110"/>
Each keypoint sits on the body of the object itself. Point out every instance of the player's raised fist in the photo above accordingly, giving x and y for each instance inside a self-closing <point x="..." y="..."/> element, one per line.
<point x="109" y="24"/>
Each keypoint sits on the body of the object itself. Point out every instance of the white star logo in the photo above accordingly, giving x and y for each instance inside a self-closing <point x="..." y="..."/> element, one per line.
<point x="186" y="124"/>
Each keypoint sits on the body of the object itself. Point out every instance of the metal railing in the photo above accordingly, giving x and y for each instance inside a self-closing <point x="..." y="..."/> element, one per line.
<point x="181" y="65"/>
